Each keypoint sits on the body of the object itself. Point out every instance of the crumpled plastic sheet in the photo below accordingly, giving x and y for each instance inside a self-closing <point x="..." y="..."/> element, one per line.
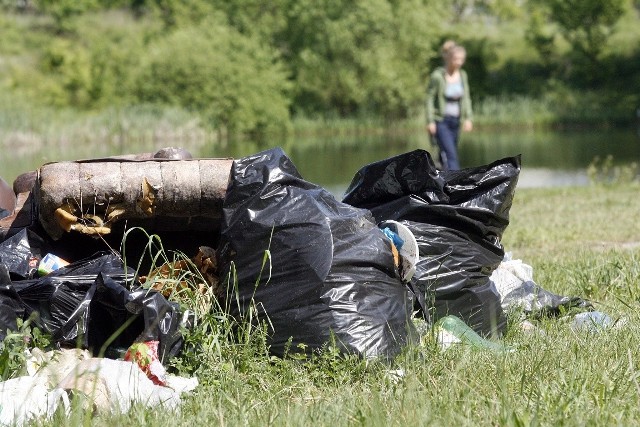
<point x="115" y="385"/>
<point x="518" y="291"/>
<point x="11" y="308"/>
<point x="87" y="301"/>
<point x="20" y="251"/>
<point x="457" y="217"/>
<point x="330" y="273"/>
<point x="28" y="398"/>
<point x="112" y="386"/>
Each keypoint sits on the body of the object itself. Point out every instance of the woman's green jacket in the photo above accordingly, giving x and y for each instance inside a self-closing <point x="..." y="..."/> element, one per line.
<point x="436" y="99"/>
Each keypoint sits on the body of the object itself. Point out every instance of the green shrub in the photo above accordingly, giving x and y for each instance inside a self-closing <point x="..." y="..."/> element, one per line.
<point x="90" y="68"/>
<point x="352" y="59"/>
<point x="234" y="81"/>
<point x="14" y="349"/>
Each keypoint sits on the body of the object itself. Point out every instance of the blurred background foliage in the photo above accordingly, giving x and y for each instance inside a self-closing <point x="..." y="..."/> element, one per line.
<point x="252" y="67"/>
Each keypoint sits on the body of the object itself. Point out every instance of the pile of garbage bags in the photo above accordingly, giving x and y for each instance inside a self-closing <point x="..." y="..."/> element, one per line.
<point x="314" y="269"/>
<point x="92" y="304"/>
<point x="275" y="249"/>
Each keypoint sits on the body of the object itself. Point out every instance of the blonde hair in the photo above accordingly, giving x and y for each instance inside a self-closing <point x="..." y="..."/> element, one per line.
<point x="450" y="47"/>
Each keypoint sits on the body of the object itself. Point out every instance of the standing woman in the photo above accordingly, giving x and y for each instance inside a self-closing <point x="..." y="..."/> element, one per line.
<point x="449" y="104"/>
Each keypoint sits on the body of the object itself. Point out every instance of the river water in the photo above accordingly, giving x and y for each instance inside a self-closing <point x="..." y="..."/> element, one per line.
<point x="549" y="159"/>
<point x="558" y="158"/>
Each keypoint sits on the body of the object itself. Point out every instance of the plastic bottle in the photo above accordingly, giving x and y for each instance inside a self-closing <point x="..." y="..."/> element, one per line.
<point x="593" y="321"/>
<point x="452" y="330"/>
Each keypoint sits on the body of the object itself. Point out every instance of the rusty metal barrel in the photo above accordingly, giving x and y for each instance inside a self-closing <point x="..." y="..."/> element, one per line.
<point x="90" y="196"/>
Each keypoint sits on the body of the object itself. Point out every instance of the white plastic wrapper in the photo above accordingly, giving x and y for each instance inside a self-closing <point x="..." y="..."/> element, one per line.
<point x="111" y="385"/>
<point x="28" y="398"/>
<point x="115" y="385"/>
<point x="513" y="280"/>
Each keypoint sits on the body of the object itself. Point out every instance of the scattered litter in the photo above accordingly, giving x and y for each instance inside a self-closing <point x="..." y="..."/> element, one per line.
<point x="87" y="301"/>
<point x="453" y="331"/>
<point x="54" y="365"/>
<point x="395" y="375"/>
<point x="111" y="386"/>
<point x="514" y="281"/>
<point x="28" y="398"/>
<point x="592" y="321"/>
<point x="50" y="263"/>
<point x="529" y="328"/>
<point x="21" y="254"/>
<point x="145" y="355"/>
<point x="406" y="237"/>
<point x="115" y="385"/>
<point x="405" y="245"/>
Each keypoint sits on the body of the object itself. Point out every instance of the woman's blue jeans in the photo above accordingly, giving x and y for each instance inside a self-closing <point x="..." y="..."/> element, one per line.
<point x="447" y="132"/>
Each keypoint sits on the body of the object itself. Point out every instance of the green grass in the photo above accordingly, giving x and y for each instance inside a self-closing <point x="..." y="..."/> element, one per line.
<point x="514" y="112"/>
<point x="580" y="241"/>
<point x="141" y="125"/>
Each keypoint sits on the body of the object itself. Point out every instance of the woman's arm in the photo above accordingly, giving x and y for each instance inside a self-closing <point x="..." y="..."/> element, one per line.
<point x="433" y="89"/>
<point x="466" y="113"/>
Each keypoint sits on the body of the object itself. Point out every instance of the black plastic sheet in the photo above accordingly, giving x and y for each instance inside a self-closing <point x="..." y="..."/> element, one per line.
<point x="534" y="300"/>
<point x="21" y="252"/>
<point x="84" y="303"/>
<point x="331" y="271"/>
<point x="10" y="309"/>
<point x="457" y="217"/>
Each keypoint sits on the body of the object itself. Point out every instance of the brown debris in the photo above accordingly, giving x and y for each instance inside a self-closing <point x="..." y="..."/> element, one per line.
<point x="91" y="225"/>
<point x="145" y="203"/>
<point x="164" y="279"/>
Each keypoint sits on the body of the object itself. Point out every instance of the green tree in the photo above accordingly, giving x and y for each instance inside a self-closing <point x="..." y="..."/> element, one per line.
<point x="539" y="38"/>
<point x="235" y="81"/>
<point x="179" y="13"/>
<point x="585" y="24"/>
<point x="63" y="11"/>
<point x="89" y="68"/>
<point x="264" y="19"/>
<point x="358" y="57"/>
<point x="500" y="9"/>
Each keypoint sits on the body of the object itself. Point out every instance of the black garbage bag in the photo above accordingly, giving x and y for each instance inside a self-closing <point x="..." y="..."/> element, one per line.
<point x="11" y="309"/>
<point x="86" y="302"/>
<point x="331" y="272"/>
<point x="457" y="217"/>
<point x="112" y="306"/>
<point x="21" y="253"/>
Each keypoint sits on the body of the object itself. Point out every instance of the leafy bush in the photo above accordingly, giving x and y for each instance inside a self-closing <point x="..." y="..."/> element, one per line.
<point x="233" y="80"/>
<point x="358" y="58"/>
<point x="90" y="68"/>
<point x="14" y="349"/>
